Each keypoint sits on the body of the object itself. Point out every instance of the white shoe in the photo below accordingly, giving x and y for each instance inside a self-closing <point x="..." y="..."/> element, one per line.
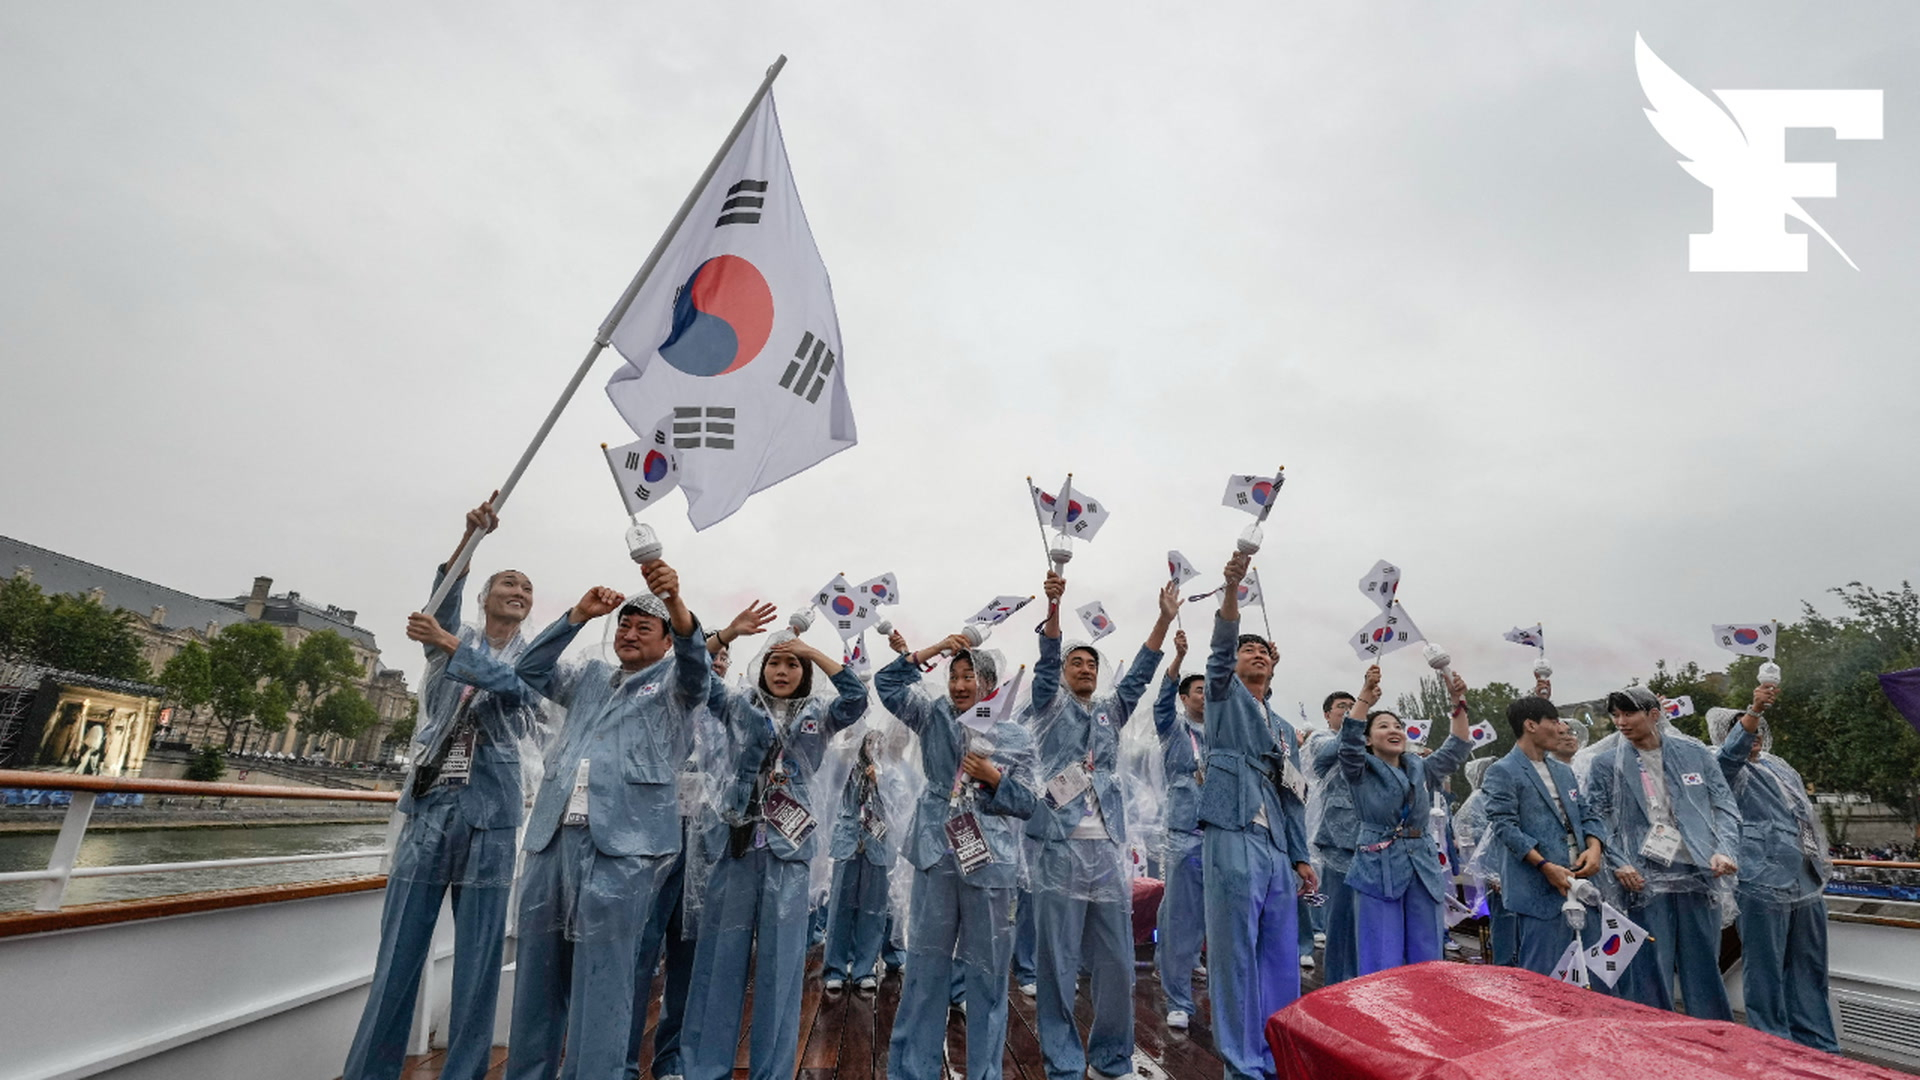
<point x="1306" y="963"/>
<point x="1178" y="1019"/>
<point x="1319" y="941"/>
<point x="836" y="984"/>
<point x="1453" y="948"/>
<point x="670" y="1076"/>
<point x="869" y="984"/>
<point x="1030" y="989"/>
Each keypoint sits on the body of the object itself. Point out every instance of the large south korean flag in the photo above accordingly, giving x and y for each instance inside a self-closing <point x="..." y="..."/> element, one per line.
<point x="734" y="335"/>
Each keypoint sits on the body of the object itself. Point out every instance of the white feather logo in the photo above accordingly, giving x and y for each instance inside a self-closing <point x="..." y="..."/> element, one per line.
<point x="1705" y="134"/>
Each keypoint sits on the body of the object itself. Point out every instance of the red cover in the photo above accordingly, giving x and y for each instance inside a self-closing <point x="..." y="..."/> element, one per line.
<point x="1146" y="907"/>
<point x="1452" y="1021"/>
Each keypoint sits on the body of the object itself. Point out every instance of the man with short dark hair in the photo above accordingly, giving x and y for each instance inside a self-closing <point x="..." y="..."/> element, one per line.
<point x="1675" y="827"/>
<point x="1550" y="833"/>
<point x="462" y="804"/>
<point x="1254" y="853"/>
<point x="1331" y="828"/>
<point x="1179" y="719"/>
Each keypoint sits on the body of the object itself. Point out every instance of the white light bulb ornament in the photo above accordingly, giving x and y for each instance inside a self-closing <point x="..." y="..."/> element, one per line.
<point x="1769" y="674"/>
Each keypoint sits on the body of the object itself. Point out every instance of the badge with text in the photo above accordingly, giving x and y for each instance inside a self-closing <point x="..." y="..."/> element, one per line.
<point x="1067" y="785"/>
<point x="577" y="802"/>
<point x="871" y="820"/>
<point x="788" y="816"/>
<point x="458" y="765"/>
<point x="1662" y="844"/>
<point x="969" y="844"/>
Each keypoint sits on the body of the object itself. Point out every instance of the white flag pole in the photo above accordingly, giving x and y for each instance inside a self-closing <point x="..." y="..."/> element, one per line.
<point x="601" y="337"/>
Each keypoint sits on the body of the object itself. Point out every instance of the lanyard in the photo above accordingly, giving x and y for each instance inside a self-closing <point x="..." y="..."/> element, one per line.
<point x="1654" y="798"/>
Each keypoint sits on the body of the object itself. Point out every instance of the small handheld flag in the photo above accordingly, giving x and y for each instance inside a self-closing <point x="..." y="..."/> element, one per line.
<point x="1179" y="569"/>
<point x="645" y="470"/>
<point x="1078" y="515"/>
<point x="996" y="706"/>
<point x="1747" y="639"/>
<point x="1390" y="630"/>
<point x="1381" y="583"/>
<point x="1620" y="940"/>
<point x="999" y="609"/>
<point x="1252" y="494"/>
<point x="1094" y="617"/>
<point x="1532" y="635"/>
<point x="879" y="591"/>
<point x="1675" y="708"/>
<point x="1417" y="731"/>
<point x="855" y="657"/>
<point x="846" y="609"/>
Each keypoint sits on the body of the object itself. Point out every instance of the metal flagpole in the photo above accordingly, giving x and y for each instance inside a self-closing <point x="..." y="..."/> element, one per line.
<point x="601" y="336"/>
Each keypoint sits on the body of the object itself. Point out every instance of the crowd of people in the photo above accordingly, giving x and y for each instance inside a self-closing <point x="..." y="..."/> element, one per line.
<point x="654" y="812"/>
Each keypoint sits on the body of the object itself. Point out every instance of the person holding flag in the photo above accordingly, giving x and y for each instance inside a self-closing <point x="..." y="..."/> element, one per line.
<point x="757" y="893"/>
<point x="1400" y="889"/>
<point x="1179" y="719"/>
<point x="461" y="806"/>
<point x="964" y="844"/>
<point x="1082" y="889"/>
<point x="605" y="824"/>
<point x="1784" y="868"/>
<point x="1675" y="827"/>
<point x="1253" y="809"/>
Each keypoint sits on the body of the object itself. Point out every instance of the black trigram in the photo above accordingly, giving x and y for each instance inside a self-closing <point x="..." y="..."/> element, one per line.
<point x="688" y="427"/>
<point x="633" y="462"/>
<point x="1240" y="497"/>
<point x="807" y="381"/>
<point x="742" y="209"/>
<point x="643" y="492"/>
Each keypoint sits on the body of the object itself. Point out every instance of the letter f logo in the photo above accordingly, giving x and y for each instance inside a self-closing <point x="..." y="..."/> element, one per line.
<point x="1741" y="153"/>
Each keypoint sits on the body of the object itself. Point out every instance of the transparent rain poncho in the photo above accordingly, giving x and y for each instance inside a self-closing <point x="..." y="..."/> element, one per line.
<point x="635" y="730"/>
<point x="1689" y="796"/>
<point x="1784" y="857"/>
<point x="1081" y="825"/>
<point x="1480" y="859"/>
<point x="768" y="775"/>
<point x="480" y="737"/>
<point x="1143" y="788"/>
<point x="1328" y="797"/>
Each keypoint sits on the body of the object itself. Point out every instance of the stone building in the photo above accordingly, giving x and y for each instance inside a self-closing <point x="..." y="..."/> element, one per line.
<point x="166" y="619"/>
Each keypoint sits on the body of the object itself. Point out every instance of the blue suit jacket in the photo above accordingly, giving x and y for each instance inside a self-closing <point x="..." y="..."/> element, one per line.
<point x="1330" y="806"/>
<point x="1772" y="863"/>
<point x="502" y="710"/>
<point x="1385" y="798"/>
<point x="634" y="736"/>
<point x="1065" y="730"/>
<point x="1521" y="818"/>
<point x="1703" y="804"/>
<point x="849" y="832"/>
<point x="1246" y="744"/>
<point x="943" y="741"/>
<point x="1179" y="740"/>
<point x="801" y="742"/>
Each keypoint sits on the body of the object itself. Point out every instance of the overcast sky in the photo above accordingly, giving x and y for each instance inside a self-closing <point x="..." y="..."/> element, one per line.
<point x="284" y="289"/>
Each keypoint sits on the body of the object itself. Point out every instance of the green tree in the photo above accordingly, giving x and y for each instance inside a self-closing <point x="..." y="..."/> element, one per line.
<point x="345" y="713"/>
<point x="1832" y="721"/>
<point x="246" y="663"/>
<point x="319" y="667"/>
<point x="402" y="731"/>
<point x="1488" y="703"/>
<point x="1702" y="687"/>
<point x="70" y="632"/>
<point x="208" y="766"/>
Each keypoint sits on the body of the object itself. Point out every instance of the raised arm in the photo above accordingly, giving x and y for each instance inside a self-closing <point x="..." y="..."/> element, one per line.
<point x="1163" y="703"/>
<point x="1459" y="745"/>
<point x="1353" y="729"/>
<point x="537" y="665"/>
<point x="895" y="684"/>
<point x="1046" y="674"/>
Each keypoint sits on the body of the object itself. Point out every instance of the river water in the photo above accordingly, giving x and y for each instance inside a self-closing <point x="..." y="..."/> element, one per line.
<point x="29" y="851"/>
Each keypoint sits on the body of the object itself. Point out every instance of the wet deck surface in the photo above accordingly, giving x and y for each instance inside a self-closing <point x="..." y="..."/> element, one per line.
<point x="844" y="1034"/>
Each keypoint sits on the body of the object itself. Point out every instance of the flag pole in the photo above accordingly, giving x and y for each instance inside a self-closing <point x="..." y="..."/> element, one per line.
<point x="601" y="337"/>
<point x="1033" y="496"/>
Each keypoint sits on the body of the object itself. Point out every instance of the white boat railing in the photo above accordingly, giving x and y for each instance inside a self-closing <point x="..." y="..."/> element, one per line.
<point x="61" y="867"/>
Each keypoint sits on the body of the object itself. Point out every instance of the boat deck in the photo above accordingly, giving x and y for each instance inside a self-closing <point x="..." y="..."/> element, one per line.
<point x="844" y="1034"/>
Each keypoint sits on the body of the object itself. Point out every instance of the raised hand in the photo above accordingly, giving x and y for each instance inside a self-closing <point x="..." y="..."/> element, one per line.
<point x="598" y="601"/>
<point x="662" y="580"/>
<point x="1169" y="601"/>
<point x="482" y="517"/>
<point x="1370" y="688"/>
<point x="1179" y="647"/>
<point x="1236" y="570"/>
<point x="753" y="619"/>
<point x="428" y="631"/>
<point x="897" y="641"/>
<point x="1055" y="587"/>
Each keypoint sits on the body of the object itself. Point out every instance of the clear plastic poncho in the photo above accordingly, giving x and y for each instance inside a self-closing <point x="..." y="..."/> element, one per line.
<point x="1784" y="857"/>
<point x="1480" y="858"/>
<point x="1630" y="802"/>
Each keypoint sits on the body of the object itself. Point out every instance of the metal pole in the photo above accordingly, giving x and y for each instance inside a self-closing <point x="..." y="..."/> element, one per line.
<point x="1033" y="495"/>
<point x="66" y="849"/>
<point x="601" y="336"/>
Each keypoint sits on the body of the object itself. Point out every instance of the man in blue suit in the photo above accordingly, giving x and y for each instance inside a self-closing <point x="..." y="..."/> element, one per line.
<point x="1332" y="826"/>
<point x="1674" y="828"/>
<point x="1549" y="829"/>
<point x="1179" y="719"/>
<point x="605" y="825"/>
<point x="1253" y="809"/>
<point x="1784" y="869"/>
<point x="462" y="805"/>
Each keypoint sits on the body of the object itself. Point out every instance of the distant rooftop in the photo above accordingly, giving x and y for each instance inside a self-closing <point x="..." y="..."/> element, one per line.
<point x="56" y="573"/>
<point x="288" y="609"/>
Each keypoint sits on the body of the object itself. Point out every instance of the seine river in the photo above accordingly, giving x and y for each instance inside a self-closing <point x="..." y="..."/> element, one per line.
<point x="29" y="851"/>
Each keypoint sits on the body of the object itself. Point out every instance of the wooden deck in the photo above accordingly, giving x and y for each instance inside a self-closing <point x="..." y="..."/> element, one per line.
<point x="844" y="1034"/>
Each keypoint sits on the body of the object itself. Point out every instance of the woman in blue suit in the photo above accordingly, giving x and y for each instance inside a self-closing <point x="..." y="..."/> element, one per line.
<point x="1399" y="886"/>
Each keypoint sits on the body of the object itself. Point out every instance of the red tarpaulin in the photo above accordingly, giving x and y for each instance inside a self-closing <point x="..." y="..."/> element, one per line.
<point x="1450" y="1021"/>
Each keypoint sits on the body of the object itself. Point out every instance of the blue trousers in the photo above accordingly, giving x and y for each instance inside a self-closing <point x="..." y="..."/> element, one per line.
<point x="953" y="923"/>
<point x="1070" y="929"/>
<point x="1397" y="932"/>
<point x="1025" y="948"/>
<point x="1253" y="954"/>
<point x="856" y="918"/>
<point x="1538" y="944"/>
<point x="407" y="917"/>
<point x="574" y="973"/>
<point x="1784" y="980"/>
<point x="1182" y="921"/>
<point x="761" y="899"/>
<point x="1501" y="933"/>
<point x="1685" y="928"/>
<point x="1342" y="956"/>
<point x="894" y="951"/>
<point x="663" y="933"/>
